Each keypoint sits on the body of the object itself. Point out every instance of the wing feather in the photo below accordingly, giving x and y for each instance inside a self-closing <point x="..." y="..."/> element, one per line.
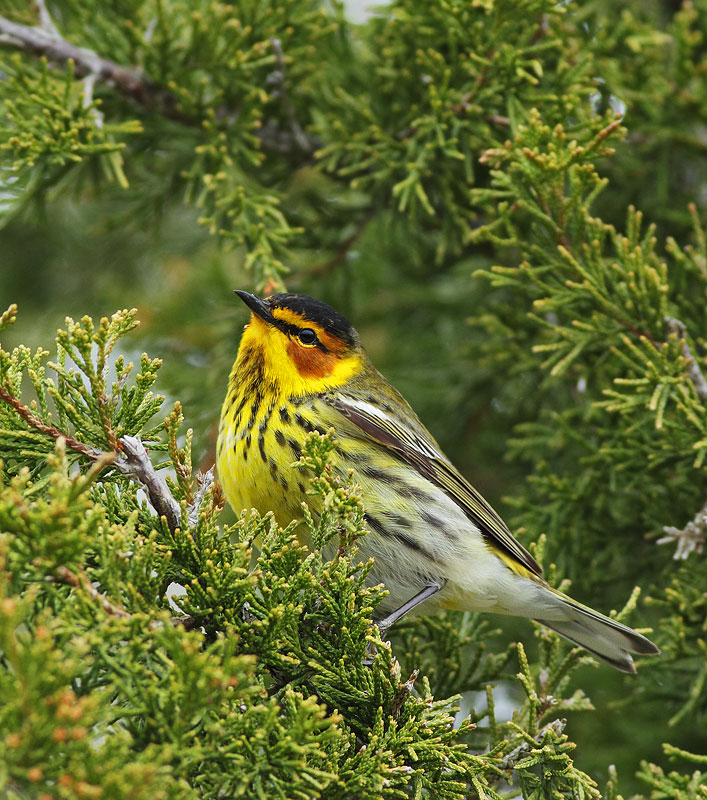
<point x="422" y="453"/>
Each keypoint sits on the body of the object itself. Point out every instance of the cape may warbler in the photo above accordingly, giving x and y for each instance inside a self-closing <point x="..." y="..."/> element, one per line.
<point x="435" y="541"/>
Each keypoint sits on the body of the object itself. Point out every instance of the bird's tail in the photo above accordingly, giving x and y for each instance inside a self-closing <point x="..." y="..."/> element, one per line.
<point x="603" y="637"/>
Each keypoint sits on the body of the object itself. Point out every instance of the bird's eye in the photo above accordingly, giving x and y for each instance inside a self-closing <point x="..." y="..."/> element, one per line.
<point x="307" y="336"/>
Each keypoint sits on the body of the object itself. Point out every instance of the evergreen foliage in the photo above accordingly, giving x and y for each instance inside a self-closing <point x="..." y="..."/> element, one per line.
<point x="533" y="169"/>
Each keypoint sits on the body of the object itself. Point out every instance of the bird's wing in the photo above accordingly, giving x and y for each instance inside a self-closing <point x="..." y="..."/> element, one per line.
<point x="422" y="453"/>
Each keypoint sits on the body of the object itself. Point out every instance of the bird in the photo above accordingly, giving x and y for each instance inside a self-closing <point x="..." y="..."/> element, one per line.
<point x="436" y="543"/>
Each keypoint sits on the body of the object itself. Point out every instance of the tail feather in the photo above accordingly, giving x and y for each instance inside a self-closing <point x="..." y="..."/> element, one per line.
<point x="601" y="636"/>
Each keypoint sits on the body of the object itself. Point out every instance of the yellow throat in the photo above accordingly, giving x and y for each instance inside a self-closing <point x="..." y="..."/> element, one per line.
<point x="264" y="418"/>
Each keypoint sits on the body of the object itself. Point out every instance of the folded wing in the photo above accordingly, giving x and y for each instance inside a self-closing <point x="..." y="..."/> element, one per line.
<point x="422" y="453"/>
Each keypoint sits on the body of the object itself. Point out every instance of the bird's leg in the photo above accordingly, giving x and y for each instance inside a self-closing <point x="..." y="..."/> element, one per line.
<point x="432" y="588"/>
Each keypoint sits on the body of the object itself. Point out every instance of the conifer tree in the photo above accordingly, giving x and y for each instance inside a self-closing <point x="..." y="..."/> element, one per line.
<point x="507" y="199"/>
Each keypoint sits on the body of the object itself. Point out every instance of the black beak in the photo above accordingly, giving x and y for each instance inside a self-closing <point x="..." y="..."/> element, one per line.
<point x="256" y="305"/>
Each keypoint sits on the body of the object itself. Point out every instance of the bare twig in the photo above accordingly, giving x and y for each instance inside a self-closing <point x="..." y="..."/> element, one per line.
<point x="188" y="623"/>
<point x="689" y="539"/>
<point x="278" y="78"/>
<point x="80" y="581"/>
<point x="498" y="119"/>
<point x="135" y="84"/>
<point x="693" y="370"/>
<point x="206" y="482"/>
<point x="46" y="21"/>
<point x="130" y="82"/>
<point x="137" y="465"/>
<point x="510" y="760"/>
<point x="35" y="422"/>
<point x="402" y="693"/>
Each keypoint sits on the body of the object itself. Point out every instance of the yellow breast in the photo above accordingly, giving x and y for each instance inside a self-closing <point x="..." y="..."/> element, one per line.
<point x="260" y="441"/>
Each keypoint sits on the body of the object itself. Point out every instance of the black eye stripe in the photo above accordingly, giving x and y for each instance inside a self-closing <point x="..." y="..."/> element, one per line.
<point x="295" y="331"/>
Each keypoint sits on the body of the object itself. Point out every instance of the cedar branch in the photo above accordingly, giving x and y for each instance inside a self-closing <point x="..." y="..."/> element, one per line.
<point x="134" y="464"/>
<point x="136" y="85"/>
<point x="129" y="82"/>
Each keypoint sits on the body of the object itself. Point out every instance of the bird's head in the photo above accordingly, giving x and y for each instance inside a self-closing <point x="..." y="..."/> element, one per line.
<point x="300" y="345"/>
